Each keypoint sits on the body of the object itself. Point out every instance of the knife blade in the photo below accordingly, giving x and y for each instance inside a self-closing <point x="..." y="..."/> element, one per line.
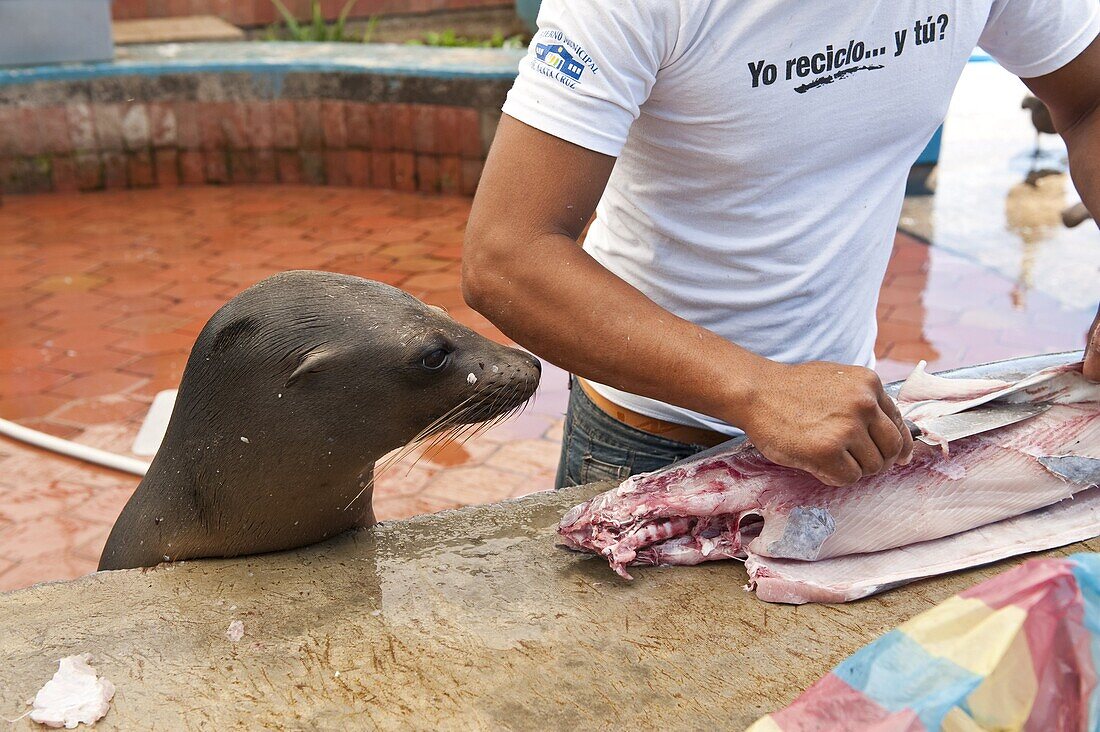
<point x="976" y="420"/>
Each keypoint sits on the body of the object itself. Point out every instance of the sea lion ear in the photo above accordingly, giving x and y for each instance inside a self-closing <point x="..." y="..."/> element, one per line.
<point x="312" y="362"/>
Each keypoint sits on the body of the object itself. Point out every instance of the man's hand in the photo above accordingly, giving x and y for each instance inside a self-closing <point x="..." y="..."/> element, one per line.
<point x="1092" y="350"/>
<point x="833" y="421"/>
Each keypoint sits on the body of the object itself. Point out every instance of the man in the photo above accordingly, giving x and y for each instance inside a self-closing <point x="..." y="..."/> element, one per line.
<point x="748" y="161"/>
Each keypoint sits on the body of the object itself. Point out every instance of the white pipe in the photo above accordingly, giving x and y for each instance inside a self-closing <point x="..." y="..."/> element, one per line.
<point x="73" y="449"/>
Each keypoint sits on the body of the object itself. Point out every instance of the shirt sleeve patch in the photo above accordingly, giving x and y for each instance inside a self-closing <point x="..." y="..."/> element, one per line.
<point x="558" y="57"/>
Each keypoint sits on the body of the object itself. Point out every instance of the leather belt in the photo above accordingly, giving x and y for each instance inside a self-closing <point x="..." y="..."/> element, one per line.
<point x="652" y="425"/>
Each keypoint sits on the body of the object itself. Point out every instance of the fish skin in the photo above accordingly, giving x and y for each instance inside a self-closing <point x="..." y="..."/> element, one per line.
<point x="844" y="579"/>
<point x="1075" y="468"/>
<point x="941" y="492"/>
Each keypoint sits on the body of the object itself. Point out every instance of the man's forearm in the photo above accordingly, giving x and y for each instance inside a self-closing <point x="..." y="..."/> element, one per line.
<point x="562" y="304"/>
<point x="1083" y="145"/>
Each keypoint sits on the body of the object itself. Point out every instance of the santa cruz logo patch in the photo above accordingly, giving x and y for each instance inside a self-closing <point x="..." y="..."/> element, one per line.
<point x="561" y="59"/>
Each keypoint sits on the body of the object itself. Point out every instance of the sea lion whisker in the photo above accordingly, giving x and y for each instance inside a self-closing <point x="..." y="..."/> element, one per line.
<point x="449" y="414"/>
<point x="366" y="485"/>
<point x="431" y="434"/>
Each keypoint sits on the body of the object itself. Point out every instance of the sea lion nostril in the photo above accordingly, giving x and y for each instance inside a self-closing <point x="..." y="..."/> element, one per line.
<point x="536" y="362"/>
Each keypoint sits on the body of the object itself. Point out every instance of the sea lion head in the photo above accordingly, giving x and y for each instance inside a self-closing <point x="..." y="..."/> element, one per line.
<point x="293" y="390"/>
<point x="349" y="360"/>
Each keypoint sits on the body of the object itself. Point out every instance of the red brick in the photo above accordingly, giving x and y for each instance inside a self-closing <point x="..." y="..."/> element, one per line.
<point x="25" y="175"/>
<point x="261" y="125"/>
<point x="424" y="129"/>
<point x="53" y="130"/>
<point x="358" y="123"/>
<point x="63" y="174"/>
<point x="404" y="171"/>
<point x="285" y="125"/>
<point x="127" y="9"/>
<point x="167" y="168"/>
<point x="235" y="124"/>
<point x="334" y="127"/>
<point x="427" y="173"/>
<point x="381" y="170"/>
<point x="215" y="166"/>
<point x="310" y="132"/>
<point x="447" y="131"/>
<point x="89" y="171"/>
<point x="29" y="132"/>
<point x="81" y="126"/>
<point x="9" y="139"/>
<point x="162" y="125"/>
<point x="210" y="123"/>
<point x="313" y="167"/>
<point x="135" y="127"/>
<point x="358" y="166"/>
<point x="450" y="174"/>
<point x="289" y="167"/>
<point x="242" y="166"/>
<point x="336" y="173"/>
<point x="108" y="126"/>
<point x="403" y="131"/>
<point x="140" y="169"/>
<point x="266" y="171"/>
<point x="471" y="174"/>
<point x="114" y="169"/>
<point x="381" y="126"/>
<point x="192" y="167"/>
<point x="468" y="133"/>
<point x="24" y="133"/>
<point x="261" y="12"/>
<point x="188" y="130"/>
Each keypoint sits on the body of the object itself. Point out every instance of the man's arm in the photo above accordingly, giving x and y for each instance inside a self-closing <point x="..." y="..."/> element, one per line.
<point x="1072" y="94"/>
<point x="522" y="269"/>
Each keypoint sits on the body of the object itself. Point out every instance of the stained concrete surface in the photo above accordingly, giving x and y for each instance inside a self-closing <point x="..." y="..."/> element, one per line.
<point x="468" y="619"/>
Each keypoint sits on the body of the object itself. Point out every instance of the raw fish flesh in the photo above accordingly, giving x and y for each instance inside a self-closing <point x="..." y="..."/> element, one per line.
<point x="889" y="528"/>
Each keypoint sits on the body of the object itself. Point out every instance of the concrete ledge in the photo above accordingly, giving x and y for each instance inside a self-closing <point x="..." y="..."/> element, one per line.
<point x="468" y="619"/>
<point x="277" y="58"/>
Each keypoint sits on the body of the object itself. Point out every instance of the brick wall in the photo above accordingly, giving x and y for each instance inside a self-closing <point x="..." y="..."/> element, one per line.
<point x="89" y="146"/>
<point x="262" y="12"/>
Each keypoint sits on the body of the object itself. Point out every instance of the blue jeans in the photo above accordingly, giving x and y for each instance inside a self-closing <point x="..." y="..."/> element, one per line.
<point x="595" y="446"/>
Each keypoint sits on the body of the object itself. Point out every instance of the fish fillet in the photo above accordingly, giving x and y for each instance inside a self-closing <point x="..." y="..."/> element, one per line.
<point x="740" y="505"/>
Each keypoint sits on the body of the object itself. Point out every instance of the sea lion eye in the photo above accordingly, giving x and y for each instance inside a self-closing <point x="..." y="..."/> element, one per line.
<point x="436" y="360"/>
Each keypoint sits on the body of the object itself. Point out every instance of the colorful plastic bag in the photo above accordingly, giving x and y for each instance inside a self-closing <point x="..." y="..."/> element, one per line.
<point x="1017" y="652"/>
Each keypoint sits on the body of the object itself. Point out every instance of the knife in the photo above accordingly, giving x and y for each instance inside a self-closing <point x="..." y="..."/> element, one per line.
<point x="973" y="421"/>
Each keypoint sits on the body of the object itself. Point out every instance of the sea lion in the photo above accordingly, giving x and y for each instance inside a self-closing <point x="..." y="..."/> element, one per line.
<point x="293" y="390"/>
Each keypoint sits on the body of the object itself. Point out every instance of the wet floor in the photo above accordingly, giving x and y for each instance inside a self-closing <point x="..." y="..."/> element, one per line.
<point x="101" y="296"/>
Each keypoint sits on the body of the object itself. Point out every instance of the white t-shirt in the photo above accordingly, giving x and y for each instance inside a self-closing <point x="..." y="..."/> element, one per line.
<point x="763" y="147"/>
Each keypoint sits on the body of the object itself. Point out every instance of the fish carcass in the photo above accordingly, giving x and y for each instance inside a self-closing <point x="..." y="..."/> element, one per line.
<point x="976" y="500"/>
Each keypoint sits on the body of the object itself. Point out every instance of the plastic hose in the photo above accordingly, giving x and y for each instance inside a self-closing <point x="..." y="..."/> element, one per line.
<point x="72" y="449"/>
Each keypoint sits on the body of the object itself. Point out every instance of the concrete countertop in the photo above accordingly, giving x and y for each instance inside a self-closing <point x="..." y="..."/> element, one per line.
<point x="469" y="619"/>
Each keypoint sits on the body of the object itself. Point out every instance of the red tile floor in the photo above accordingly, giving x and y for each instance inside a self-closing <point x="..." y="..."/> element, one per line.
<point x="101" y="296"/>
